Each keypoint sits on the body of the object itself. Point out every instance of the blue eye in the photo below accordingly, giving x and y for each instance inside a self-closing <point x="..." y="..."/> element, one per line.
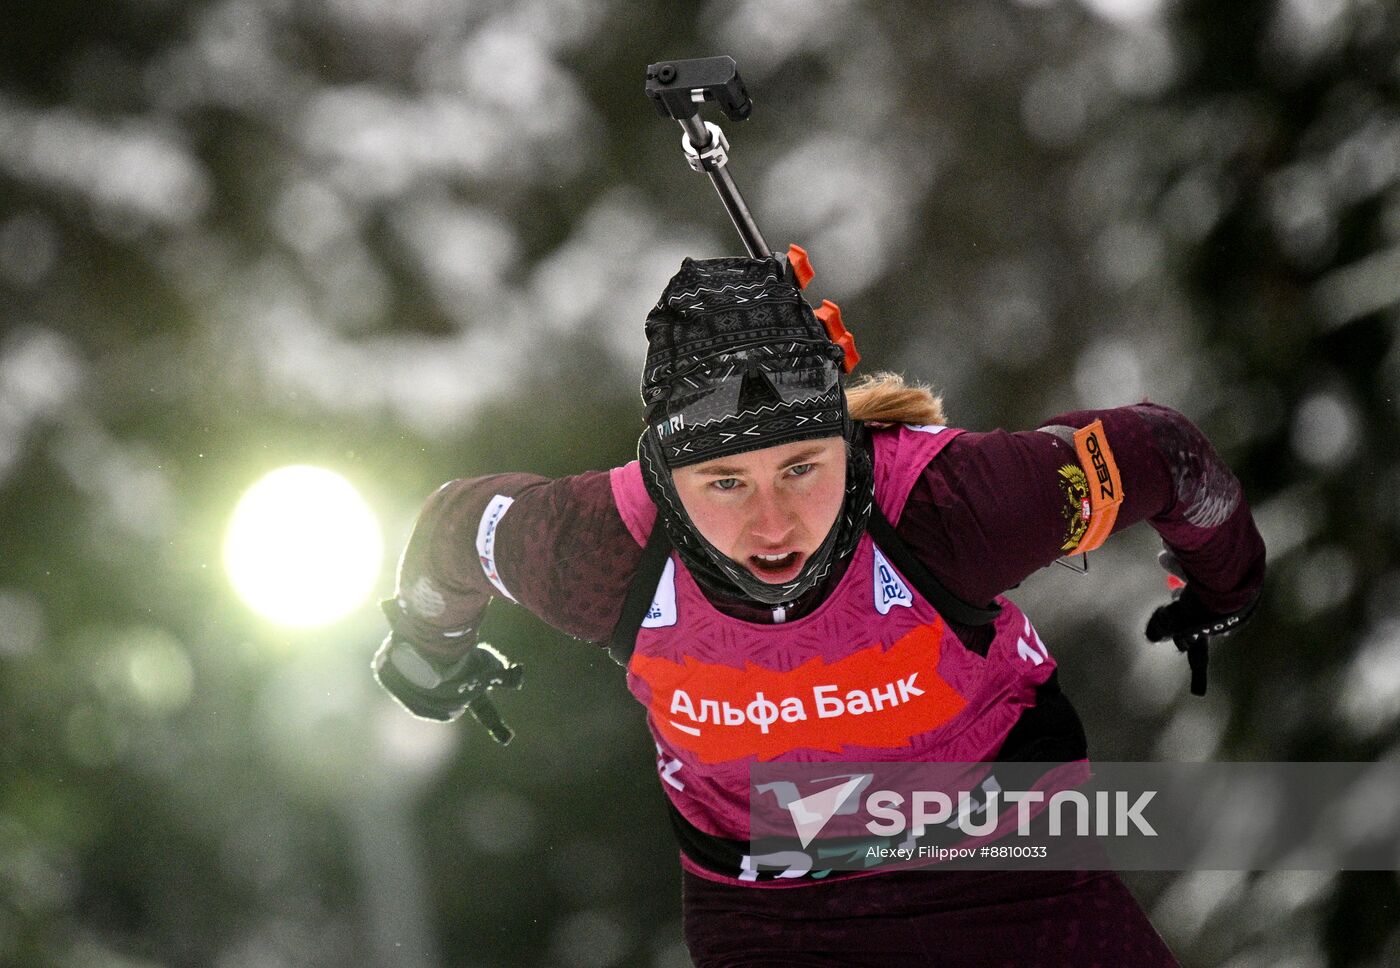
<point x="726" y="483"/>
<point x="798" y="470"/>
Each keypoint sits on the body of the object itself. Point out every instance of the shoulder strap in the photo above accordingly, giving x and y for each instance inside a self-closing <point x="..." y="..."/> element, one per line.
<point x="639" y="595"/>
<point x="945" y="602"/>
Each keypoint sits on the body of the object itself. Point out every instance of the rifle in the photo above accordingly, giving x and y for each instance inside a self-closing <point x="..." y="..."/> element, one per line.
<point x="677" y="89"/>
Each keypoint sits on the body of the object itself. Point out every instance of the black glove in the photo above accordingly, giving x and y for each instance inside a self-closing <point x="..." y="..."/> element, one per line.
<point x="1188" y="623"/>
<point x="432" y="689"/>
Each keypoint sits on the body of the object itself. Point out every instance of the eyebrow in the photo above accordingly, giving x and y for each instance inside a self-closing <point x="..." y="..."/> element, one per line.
<point x="801" y="457"/>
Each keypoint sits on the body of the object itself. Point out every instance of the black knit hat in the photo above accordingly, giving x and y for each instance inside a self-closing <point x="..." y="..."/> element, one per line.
<point x="737" y="361"/>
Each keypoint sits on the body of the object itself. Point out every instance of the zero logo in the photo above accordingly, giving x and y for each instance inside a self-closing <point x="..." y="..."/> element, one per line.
<point x="1100" y="467"/>
<point x="1096" y="459"/>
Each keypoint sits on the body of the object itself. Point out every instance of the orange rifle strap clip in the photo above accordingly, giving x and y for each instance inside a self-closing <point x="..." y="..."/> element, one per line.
<point x="828" y="312"/>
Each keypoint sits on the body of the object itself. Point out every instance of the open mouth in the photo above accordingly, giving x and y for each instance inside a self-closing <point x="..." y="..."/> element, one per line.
<point x="776" y="567"/>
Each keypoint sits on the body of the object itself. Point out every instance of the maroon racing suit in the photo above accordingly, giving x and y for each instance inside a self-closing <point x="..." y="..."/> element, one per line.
<point x="989" y="510"/>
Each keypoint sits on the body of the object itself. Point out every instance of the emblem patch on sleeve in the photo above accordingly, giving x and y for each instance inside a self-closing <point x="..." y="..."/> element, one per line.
<point x="1076" y="509"/>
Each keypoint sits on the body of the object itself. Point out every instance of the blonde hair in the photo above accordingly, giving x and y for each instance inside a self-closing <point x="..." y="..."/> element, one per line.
<point x="884" y="398"/>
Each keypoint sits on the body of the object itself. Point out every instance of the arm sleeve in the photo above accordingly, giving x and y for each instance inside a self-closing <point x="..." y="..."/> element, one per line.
<point x="556" y="546"/>
<point x="995" y="507"/>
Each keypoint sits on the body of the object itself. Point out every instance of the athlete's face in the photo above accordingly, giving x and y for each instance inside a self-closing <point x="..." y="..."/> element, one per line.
<point x="769" y="510"/>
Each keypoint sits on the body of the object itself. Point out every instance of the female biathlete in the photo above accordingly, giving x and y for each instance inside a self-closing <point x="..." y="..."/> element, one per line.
<point x="775" y="516"/>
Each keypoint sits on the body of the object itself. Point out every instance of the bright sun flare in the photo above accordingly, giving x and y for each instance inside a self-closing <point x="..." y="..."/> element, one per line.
<point x="303" y="548"/>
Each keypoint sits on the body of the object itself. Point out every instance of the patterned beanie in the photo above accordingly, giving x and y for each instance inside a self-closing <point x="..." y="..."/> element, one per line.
<point x="736" y="361"/>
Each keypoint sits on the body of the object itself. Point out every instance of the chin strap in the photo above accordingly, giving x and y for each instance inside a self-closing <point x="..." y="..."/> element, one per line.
<point x="716" y="572"/>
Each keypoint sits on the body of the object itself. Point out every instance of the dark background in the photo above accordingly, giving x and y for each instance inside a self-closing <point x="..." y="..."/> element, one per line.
<point x="416" y="241"/>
